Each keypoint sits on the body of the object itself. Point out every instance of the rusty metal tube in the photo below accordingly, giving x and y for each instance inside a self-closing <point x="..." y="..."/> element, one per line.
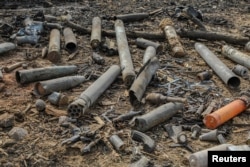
<point x="39" y="74"/>
<point x="236" y="56"/>
<point x="227" y="112"/>
<point x="150" y="52"/>
<point x="132" y="17"/>
<point x="70" y="40"/>
<point x="12" y="67"/>
<point x="54" y="54"/>
<point x="93" y="92"/>
<point x="139" y="85"/>
<point x="157" y="116"/>
<point x="95" y="38"/>
<point x="227" y="76"/>
<point x="200" y="158"/>
<point x="6" y="46"/>
<point x="58" y="84"/>
<point x="128" y="73"/>
<point x="172" y="37"/>
<point x="144" y="43"/>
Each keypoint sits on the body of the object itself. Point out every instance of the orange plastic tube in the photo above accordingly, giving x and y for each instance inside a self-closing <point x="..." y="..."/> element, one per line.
<point x="224" y="114"/>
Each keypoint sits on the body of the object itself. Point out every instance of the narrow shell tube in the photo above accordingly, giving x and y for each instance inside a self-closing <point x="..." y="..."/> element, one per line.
<point x="93" y="92"/>
<point x="236" y="56"/>
<point x="40" y="74"/>
<point x="225" y="113"/>
<point x="143" y="162"/>
<point x="173" y="40"/>
<point x="141" y="82"/>
<point x="70" y="40"/>
<point x="6" y="46"/>
<point x="95" y="38"/>
<point x="157" y="116"/>
<point x="132" y="17"/>
<point x="117" y="142"/>
<point x="128" y="73"/>
<point x="150" y="52"/>
<point x="58" y="84"/>
<point x="54" y="54"/>
<point x="144" y="43"/>
<point x="27" y="39"/>
<point x="200" y="158"/>
<point x="227" y="76"/>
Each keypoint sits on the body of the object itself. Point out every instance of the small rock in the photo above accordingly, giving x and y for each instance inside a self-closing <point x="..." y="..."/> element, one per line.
<point x="6" y="120"/>
<point x="40" y="105"/>
<point x="17" y="133"/>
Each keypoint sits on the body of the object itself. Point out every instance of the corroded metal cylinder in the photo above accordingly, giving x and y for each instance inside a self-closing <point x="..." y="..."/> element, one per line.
<point x="236" y="56"/>
<point x="128" y="73"/>
<point x="144" y="43"/>
<point x="57" y="98"/>
<point x="117" y="142"/>
<point x="173" y="40"/>
<point x="93" y="92"/>
<point x="200" y="158"/>
<point x="70" y="40"/>
<point x="157" y="116"/>
<point x="205" y="75"/>
<point x="227" y="76"/>
<point x="6" y="46"/>
<point x="95" y="38"/>
<point x="240" y="70"/>
<point x="149" y="53"/>
<point x="54" y="54"/>
<point x="40" y="74"/>
<point x="12" y="67"/>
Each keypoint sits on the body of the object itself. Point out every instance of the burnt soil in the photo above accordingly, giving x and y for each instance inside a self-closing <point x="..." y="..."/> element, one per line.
<point x="43" y="144"/>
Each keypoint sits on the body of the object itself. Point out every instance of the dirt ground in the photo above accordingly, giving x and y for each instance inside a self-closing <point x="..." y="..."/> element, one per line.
<point x="43" y="144"/>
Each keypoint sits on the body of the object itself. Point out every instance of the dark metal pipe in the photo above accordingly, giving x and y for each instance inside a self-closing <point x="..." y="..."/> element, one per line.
<point x="58" y="84"/>
<point x="149" y="143"/>
<point x="132" y="17"/>
<point x="27" y="39"/>
<point x="227" y="76"/>
<point x="240" y="70"/>
<point x="95" y="38"/>
<point x="157" y="116"/>
<point x="54" y="54"/>
<point x="39" y="74"/>
<point x="6" y="46"/>
<point x="144" y="77"/>
<point x="236" y="56"/>
<point x="70" y="40"/>
<point x="93" y="92"/>
<point x="128" y="73"/>
<point x="144" y="43"/>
